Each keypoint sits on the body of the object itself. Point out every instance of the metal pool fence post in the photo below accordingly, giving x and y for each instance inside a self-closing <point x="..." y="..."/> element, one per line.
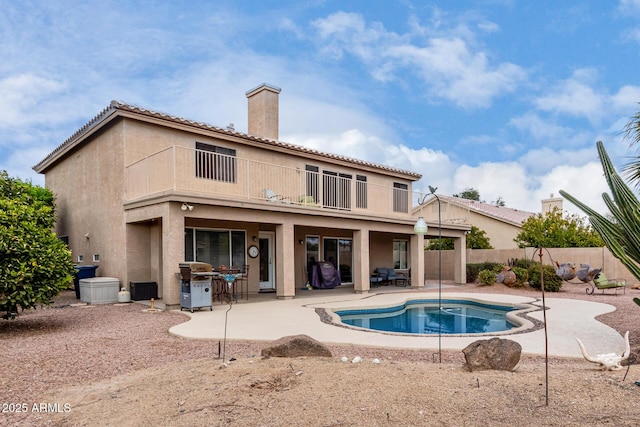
<point x="421" y="228"/>
<point x="546" y="338"/>
<point x="433" y="191"/>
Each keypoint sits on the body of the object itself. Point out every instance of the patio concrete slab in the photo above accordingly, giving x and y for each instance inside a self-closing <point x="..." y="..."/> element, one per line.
<point x="270" y="319"/>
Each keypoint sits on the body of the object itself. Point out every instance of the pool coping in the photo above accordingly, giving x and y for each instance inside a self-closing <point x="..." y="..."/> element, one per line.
<point x="518" y="316"/>
<point x="268" y="320"/>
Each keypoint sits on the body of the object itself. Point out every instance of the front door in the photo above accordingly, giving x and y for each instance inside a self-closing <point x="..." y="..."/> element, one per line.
<point x="267" y="270"/>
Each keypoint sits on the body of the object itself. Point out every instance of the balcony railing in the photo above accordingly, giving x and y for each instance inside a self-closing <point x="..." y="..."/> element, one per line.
<point x="179" y="169"/>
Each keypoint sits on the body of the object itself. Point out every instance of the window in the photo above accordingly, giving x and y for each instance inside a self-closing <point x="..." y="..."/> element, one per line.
<point x="400" y="253"/>
<point x="336" y="190"/>
<point x="361" y="192"/>
<point x="313" y="254"/>
<point x="400" y="197"/>
<point x="216" y="247"/>
<point x="217" y="163"/>
<point x="96" y="257"/>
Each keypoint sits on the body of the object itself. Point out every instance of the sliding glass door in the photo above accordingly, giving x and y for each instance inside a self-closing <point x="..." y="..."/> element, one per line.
<point x="339" y="252"/>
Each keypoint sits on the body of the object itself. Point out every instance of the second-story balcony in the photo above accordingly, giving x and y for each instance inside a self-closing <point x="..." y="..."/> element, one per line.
<point x="180" y="170"/>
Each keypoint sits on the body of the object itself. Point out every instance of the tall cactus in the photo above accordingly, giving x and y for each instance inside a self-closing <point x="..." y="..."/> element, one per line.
<point x="622" y="237"/>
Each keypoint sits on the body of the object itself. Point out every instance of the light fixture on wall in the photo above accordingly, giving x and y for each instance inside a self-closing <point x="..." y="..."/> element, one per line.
<point x="301" y="242"/>
<point x="186" y="206"/>
<point x="254" y="238"/>
<point x="421" y="228"/>
<point x="86" y="236"/>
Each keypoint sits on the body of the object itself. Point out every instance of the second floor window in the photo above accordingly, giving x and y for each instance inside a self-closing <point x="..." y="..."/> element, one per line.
<point x="400" y="197"/>
<point x="361" y="192"/>
<point x="217" y="163"/>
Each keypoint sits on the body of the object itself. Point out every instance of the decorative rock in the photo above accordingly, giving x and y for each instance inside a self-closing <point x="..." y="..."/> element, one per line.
<point x="357" y="359"/>
<point x="496" y="353"/>
<point x="586" y="274"/>
<point x="296" y="346"/>
<point x="344" y="359"/>
<point x="508" y="276"/>
<point x="566" y="270"/>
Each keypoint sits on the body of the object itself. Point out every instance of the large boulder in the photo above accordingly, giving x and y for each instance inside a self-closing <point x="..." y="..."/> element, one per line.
<point x="296" y="346"/>
<point x="508" y="276"/>
<point x="496" y="354"/>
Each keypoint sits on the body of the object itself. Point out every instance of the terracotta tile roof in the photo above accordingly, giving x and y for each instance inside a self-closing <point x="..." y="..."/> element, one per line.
<point x="116" y="106"/>
<point x="513" y="216"/>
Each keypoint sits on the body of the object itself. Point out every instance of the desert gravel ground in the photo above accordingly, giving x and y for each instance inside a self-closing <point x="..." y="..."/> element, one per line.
<point x="115" y="365"/>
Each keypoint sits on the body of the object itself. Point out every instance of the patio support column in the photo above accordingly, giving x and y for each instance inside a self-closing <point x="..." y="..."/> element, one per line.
<point x="417" y="260"/>
<point x="460" y="259"/>
<point x="285" y="261"/>
<point x="172" y="253"/>
<point x="361" y="273"/>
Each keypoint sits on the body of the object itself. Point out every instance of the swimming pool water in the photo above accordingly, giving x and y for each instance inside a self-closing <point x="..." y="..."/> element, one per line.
<point x="423" y="317"/>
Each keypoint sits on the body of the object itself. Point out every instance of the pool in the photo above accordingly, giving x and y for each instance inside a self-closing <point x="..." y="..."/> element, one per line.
<point x="424" y="317"/>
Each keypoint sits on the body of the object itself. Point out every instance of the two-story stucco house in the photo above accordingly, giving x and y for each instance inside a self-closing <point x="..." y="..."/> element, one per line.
<point x="140" y="191"/>
<point x="501" y="224"/>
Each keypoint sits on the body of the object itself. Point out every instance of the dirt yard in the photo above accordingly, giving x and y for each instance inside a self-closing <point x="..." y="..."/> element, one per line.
<point x="115" y="365"/>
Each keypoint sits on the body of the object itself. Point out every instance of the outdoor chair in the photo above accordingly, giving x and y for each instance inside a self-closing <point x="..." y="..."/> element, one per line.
<point x="393" y="277"/>
<point x="601" y="282"/>
<point x="386" y="276"/>
<point x="271" y="196"/>
<point x="404" y="279"/>
<point x="379" y="277"/>
<point x="243" y="282"/>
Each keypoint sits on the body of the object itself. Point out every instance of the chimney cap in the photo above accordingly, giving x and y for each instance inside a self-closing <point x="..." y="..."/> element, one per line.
<point x="263" y="86"/>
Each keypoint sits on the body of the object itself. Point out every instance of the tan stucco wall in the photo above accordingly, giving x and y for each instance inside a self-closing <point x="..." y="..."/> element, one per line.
<point x="597" y="257"/>
<point x="142" y="238"/>
<point x="89" y="188"/>
<point x="500" y="233"/>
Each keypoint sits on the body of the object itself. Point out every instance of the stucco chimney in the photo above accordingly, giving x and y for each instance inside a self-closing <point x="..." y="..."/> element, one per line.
<point x="552" y="202"/>
<point x="263" y="111"/>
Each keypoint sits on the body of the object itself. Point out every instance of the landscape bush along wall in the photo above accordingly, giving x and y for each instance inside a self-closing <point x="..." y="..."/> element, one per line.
<point x="597" y="257"/>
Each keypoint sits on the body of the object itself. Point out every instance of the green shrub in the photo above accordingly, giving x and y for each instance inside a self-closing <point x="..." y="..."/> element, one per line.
<point x="472" y="272"/>
<point x="522" y="263"/>
<point x="35" y="266"/>
<point x="552" y="282"/>
<point x="487" y="277"/>
<point x="474" y="269"/>
<point x="522" y="275"/>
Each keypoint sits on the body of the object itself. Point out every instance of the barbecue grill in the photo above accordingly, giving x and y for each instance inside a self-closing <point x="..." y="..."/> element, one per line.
<point x="195" y="285"/>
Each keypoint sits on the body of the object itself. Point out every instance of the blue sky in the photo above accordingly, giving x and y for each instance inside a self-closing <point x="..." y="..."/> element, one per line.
<point x="504" y="96"/>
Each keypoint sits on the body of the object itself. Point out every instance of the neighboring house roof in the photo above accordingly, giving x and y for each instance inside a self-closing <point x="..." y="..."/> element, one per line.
<point x="118" y="108"/>
<point x="501" y="213"/>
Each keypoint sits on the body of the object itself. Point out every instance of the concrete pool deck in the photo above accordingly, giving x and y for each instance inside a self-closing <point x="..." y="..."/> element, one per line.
<point x="265" y="318"/>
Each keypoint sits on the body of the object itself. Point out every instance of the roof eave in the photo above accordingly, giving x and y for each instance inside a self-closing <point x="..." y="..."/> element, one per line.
<point x="118" y="108"/>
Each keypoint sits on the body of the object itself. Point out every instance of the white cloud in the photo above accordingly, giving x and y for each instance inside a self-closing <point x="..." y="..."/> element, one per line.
<point x="521" y="190"/>
<point x="626" y="97"/>
<point x="492" y="180"/>
<point x="20" y="94"/>
<point x="586" y="183"/>
<point x="448" y="65"/>
<point x="574" y="96"/>
<point x="631" y="7"/>
<point x="19" y="164"/>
